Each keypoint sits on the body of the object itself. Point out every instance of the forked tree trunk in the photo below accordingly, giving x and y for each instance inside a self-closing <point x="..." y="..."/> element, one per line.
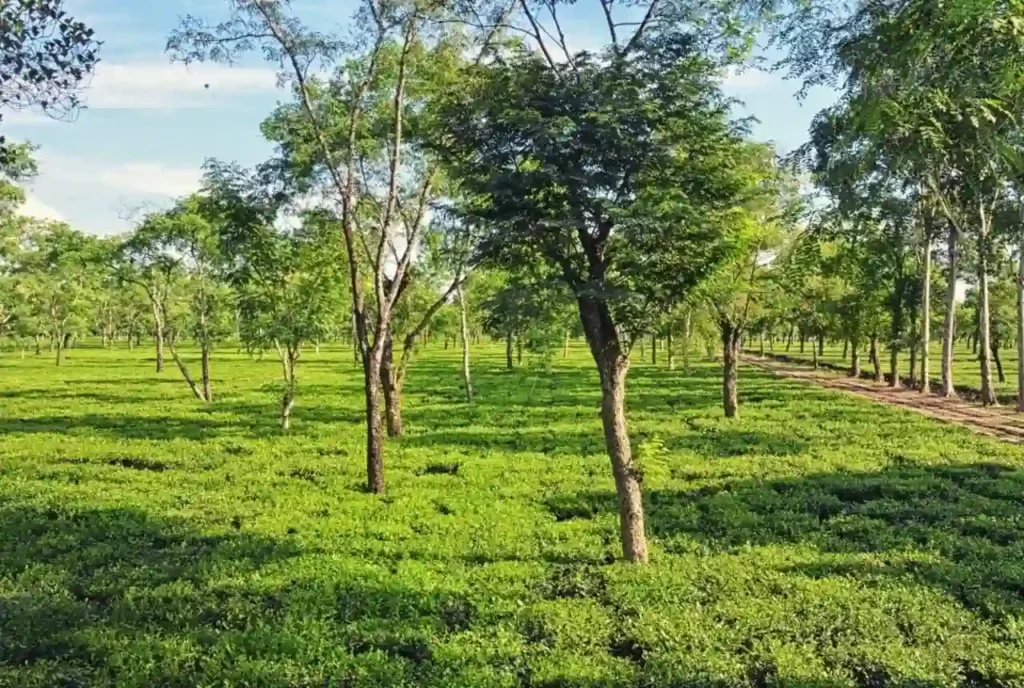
<point x="465" y="344"/>
<point x="185" y="373"/>
<point x="508" y="351"/>
<point x="205" y="365"/>
<point x="926" y="318"/>
<point x="988" y="393"/>
<point x="949" y="321"/>
<point x="392" y="388"/>
<point x="1020" y="326"/>
<point x="730" y="359"/>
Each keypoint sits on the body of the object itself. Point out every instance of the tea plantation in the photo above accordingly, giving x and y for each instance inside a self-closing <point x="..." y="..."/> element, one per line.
<point x="818" y="541"/>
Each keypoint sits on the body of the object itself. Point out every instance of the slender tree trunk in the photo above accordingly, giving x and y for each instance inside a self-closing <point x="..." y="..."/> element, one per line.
<point x="846" y="348"/>
<point x="875" y="360"/>
<point x="988" y="393"/>
<point x="854" y="359"/>
<point x="355" y="339"/>
<point x="926" y="319"/>
<point x="912" y="372"/>
<point x="60" y="354"/>
<point x="1020" y="326"/>
<point x="465" y="344"/>
<point x="565" y="346"/>
<point x="821" y="345"/>
<point x="814" y="357"/>
<point x="205" y="365"/>
<point x="519" y="350"/>
<point x="789" y="340"/>
<point x="949" y="321"/>
<point x="998" y="361"/>
<point x="669" y="353"/>
<point x="803" y="341"/>
<point x="391" y="386"/>
<point x="760" y="351"/>
<point x="289" y="359"/>
<point x="771" y="342"/>
<point x="374" y="429"/>
<point x="39" y="350"/>
<point x="160" y="337"/>
<point x="730" y="357"/>
<point x="686" y="344"/>
<point x="627" y="484"/>
<point x="508" y="350"/>
<point x="894" y="363"/>
<point x="185" y="373"/>
<point x="654" y="350"/>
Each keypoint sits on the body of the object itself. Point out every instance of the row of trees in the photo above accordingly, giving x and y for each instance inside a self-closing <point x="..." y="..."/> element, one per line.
<point x="612" y="187"/>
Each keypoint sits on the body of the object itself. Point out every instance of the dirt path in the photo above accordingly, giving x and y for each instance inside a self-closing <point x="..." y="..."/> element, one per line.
<point x="1001" y="422"/>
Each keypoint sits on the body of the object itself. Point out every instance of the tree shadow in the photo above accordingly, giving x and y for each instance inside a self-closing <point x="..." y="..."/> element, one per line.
<point x="956" y="528"/>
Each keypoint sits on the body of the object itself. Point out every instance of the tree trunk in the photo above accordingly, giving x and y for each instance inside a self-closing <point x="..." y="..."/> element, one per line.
<point x="465" y="344"/>
<point x="949" y="321"/>
<point x="926" y="319"/>
<point x="894" y="363"/>
<point x="508" y="350"/>
<point x="814" y="357"/>
<point x="821" y="345"/>
<point x="205" y="365"/>
<point x="160" y="337"/>
<point x="789" y="341"/>
<point x="519" y="350"/>
<point x="730" y="357"/>
<point x="854" y="359"/>
<point x="185" y="373"/>
<point x="686" y="344"/>
<point x="846" y="348"/>
<point x="60" y="354"/>
<point x="565" y="346"/>
<point x="374" y="431"/>
<point x="988" y="393"/>
<point x="803" y="341"/>
<point x="912" y="372"/>
<point x="875" y="361"/>
<point x="654" y="350"/>
<point x="669" y="353"/>
<point x="998" y="361"/>
<point x="760" y="346"/>
<point x="1020" y="327"/>
<point x="616" y="438"/>
<point x="391" y="385"/>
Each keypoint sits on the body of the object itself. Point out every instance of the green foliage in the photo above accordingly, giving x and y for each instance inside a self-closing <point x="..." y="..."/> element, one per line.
<point x="150" y="542"/>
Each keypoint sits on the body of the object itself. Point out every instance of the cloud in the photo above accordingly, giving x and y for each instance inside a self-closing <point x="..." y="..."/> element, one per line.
<point x="147" y="178"/>
<point x="154" y="85"/>
<point x="750" y="79"/>
<point x="33" y="207"/>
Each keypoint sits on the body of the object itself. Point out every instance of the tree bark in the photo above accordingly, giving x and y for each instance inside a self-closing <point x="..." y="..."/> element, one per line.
<point x="205" y="365"/>
<point x="1020" y="326"/>
<point x="998" y="361"/>
<point x="686" y="344"/>
<point x="391" y="385"/>
<point x="926" y="318"/>
<point x="654" y="350"/>
<point x="60" y="354"/>
<point x="160" y="336"/>
<point x="508" y="351"/>
<point x="846" y="348"/>
<point x="760" y="345"/>
<point x="854" y="359"/>
<point x="875" y="359"/>
<point x="374" y="431"/>
<point x="912" y="366"/>
<point x="730" y="358"/>
<point x="814" y="357"/>
<point x="821" y="345"/>
<point x="565" y="346"/>
<point x="949" y="321"/>
<point x="894" y="366"/>
<point x="988" y="393"/>
<point x="185" y="373"/>
<point x="669" y="353"/>
<point x="465" y="344"/>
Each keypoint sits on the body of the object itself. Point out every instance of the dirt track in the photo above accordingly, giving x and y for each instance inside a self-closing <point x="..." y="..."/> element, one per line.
<point x="1001" y="422"/>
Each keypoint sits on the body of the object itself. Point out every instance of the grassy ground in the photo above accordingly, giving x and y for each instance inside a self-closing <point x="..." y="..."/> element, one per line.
<point x="966" y="369"/>
<point x="819" y="541"/>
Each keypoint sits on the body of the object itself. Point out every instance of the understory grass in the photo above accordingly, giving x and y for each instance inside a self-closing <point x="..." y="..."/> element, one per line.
<point x="818" y="541"/>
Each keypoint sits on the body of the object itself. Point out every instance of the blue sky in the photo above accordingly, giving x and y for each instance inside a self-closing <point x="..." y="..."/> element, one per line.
<point x="150" y="125"/>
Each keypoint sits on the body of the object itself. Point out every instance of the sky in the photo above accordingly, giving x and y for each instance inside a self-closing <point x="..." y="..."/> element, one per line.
<point x="149" y="124"/>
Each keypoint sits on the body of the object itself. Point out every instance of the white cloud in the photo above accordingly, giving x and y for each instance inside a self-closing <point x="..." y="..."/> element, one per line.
<point x="155" y="85"/>
<point x="750" y="79"/>
<point x="33" y="207"/>
<point x="150" y="178"/>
